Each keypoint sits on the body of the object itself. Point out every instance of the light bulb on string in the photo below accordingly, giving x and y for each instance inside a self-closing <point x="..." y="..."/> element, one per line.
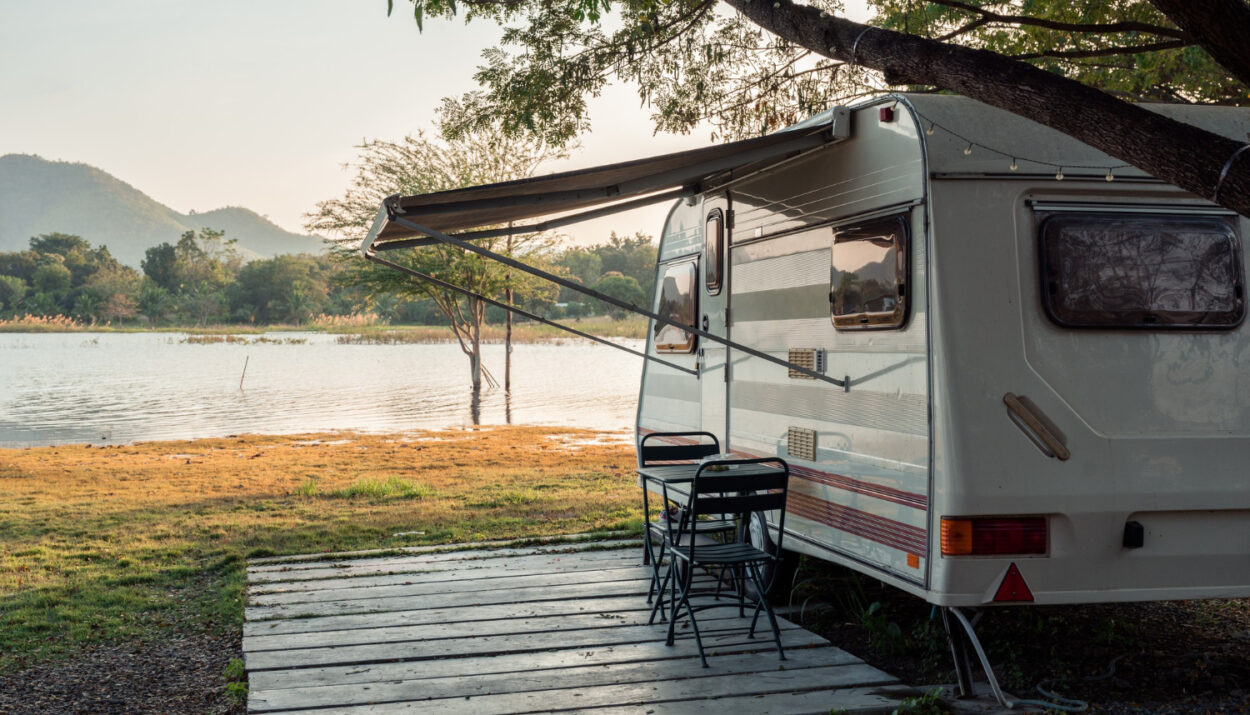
<point x="1059" y="174"/>
<point x="967" y="150"/>
<point x="929" y="129"/>
<point x="1014" y="165"/>
<point x="1110" y="176"/>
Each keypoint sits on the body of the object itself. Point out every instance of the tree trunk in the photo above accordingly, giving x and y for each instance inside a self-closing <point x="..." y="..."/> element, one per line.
<point x="1181" y="154"/>
<point x="475" y="344"/>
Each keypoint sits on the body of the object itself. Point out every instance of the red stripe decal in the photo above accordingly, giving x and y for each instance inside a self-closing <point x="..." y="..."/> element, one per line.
<point x="896" y="535"/>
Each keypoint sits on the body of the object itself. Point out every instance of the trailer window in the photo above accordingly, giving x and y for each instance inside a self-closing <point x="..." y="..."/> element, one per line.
<point x="677" y="302"/>
<point x="1141" y="271"/>
<point x="869" y="276"/>
<point x="713" y="249"/>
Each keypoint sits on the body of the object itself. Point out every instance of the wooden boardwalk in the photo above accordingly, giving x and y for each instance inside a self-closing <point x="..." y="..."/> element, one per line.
<point x="539" y="629"/>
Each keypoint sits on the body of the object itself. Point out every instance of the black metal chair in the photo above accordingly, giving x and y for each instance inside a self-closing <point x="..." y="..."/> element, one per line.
<point x="742" y="490"/>
<point x="652" y="449"/>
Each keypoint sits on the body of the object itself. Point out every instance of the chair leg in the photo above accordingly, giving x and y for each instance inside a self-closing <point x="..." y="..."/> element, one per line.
<point x="671" y="581"/>
<point x="658" y="606"/>
<point x="740" y="584"/>
<point x="768" y="609"/>
<point x="656" y="559"/>
<point x="646" y="528"/>
<point x="686" y="585"/>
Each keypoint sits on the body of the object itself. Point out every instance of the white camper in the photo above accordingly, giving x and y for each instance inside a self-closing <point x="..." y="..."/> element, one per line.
<point x="1004" y="367"/>
<point x="1041" y="363"/>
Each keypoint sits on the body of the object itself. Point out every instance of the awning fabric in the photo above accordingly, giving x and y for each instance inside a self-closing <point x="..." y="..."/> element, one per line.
<point x="496" y="204"/>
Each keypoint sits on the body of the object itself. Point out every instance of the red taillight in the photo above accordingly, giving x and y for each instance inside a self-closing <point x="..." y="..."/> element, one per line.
<point x="993" y="536"/>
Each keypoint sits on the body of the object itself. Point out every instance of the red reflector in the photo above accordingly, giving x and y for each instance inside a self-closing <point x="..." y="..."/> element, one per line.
<point x="1001" y="536"/>
<point x="1013" y="587"/>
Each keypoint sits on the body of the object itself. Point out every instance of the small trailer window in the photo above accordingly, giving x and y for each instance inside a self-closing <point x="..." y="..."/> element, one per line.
<point x="869" y="277"/>
<point x="713" y="249"/>
<point x="1141" y="271"/>
<point x="677" y="302"/>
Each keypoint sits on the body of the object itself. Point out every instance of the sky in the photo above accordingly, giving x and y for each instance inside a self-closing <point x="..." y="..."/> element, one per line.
<point x="257" y="103"/>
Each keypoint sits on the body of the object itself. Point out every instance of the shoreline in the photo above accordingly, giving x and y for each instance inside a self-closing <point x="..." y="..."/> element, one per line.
<point x="622" y="436"/>
<point x="524" y="332"/>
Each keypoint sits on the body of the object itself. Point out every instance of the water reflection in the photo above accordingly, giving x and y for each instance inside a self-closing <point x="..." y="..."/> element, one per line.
<point x="124" y="387"/>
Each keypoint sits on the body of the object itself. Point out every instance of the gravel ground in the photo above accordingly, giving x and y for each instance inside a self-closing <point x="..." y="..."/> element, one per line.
<point x="1154" y="657"/>
<point x="180" y="675"/>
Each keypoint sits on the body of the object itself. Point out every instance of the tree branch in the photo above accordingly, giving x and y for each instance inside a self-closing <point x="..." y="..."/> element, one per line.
<point x="979" y="22"/>
<point x="1105" y="51"/>
<point x="1219" y="26"/>
<point x="1093" y="28"/>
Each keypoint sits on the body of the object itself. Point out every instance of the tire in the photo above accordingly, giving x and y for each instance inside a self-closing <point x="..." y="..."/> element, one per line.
<point x="779" y="574"/>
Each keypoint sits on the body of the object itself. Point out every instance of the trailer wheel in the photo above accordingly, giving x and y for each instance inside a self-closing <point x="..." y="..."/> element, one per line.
<point x="781" y="574"/>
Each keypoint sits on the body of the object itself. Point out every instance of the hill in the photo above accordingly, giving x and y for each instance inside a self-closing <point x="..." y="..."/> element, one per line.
<point x="40" y="196"/>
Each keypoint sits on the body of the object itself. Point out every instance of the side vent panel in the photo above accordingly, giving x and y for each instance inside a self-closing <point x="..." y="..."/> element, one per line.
<point x="811" y="358"/>
<point x="801" y="443"/>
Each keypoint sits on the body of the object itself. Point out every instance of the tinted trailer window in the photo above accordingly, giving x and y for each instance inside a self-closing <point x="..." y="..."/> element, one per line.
<point x="1125" y="270"/>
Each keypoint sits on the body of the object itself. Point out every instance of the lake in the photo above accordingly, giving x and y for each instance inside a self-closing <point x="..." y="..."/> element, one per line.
<point x="112" y="388"/>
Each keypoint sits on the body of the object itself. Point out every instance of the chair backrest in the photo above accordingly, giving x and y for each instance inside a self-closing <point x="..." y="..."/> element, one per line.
<point x="741" y="491"/>
<point x="676" y="447"/>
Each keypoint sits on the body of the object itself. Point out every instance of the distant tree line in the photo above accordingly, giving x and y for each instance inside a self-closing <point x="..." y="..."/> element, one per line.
<point x="202" y="279"/>
<point x="623" y="268"/>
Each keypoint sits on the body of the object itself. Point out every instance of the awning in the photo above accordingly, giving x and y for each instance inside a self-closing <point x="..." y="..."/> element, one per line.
<point x="615" y="184"/>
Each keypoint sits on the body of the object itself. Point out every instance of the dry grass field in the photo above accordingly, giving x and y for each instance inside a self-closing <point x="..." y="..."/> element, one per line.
<point x="120" y="544"/>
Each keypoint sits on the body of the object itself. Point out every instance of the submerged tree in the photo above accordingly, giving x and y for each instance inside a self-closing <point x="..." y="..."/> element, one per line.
<point x="749" y="66"/>
<point x="418" y="165"/>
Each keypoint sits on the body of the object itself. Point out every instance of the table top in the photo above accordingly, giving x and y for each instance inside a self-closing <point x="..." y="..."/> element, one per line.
<point x="684" y="473"/>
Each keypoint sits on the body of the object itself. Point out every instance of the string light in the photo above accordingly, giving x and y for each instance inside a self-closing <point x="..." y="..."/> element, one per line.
<point x="933" y="126"/>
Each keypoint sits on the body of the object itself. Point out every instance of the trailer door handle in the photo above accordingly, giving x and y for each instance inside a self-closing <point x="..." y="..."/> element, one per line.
<point x="1040" y="430"/>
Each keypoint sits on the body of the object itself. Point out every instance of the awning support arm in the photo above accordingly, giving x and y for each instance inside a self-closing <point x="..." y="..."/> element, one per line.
<point x="465" y="291"/>
<point x="396" y="215"/>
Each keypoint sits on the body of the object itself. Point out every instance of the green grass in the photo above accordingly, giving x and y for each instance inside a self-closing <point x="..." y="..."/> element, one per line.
<point x="389" y="488"/>
<point x="106" y="546"/>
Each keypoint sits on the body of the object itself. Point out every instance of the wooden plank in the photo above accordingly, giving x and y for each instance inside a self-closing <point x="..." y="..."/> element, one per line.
<point x="532" y="609"/>
<point x="570" y="592"/>
<point x="465" y="629"/>
<point x="458" y="686"/>
<point x="591" y="569"/>
<point x="876" y="699"/>
<point x="557" y="561"/>
<point x="636" y="588"/>
<point x="460" y="587"/>
<point x="502" y="644"/>
<point x="605" y="657"/>
<point x="765" y="693"/>
<point x="453" y="552"/>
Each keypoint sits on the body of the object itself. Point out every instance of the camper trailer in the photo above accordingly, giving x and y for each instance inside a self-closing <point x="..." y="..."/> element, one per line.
<point x="1042" y="361"/>
<point x="1003" y="367"/>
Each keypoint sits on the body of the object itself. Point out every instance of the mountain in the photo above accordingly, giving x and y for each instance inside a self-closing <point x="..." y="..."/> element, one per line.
<point x="40" y="196"/>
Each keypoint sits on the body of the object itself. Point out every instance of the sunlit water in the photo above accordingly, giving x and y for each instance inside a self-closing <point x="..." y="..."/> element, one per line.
<point x="124" y="387"/>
